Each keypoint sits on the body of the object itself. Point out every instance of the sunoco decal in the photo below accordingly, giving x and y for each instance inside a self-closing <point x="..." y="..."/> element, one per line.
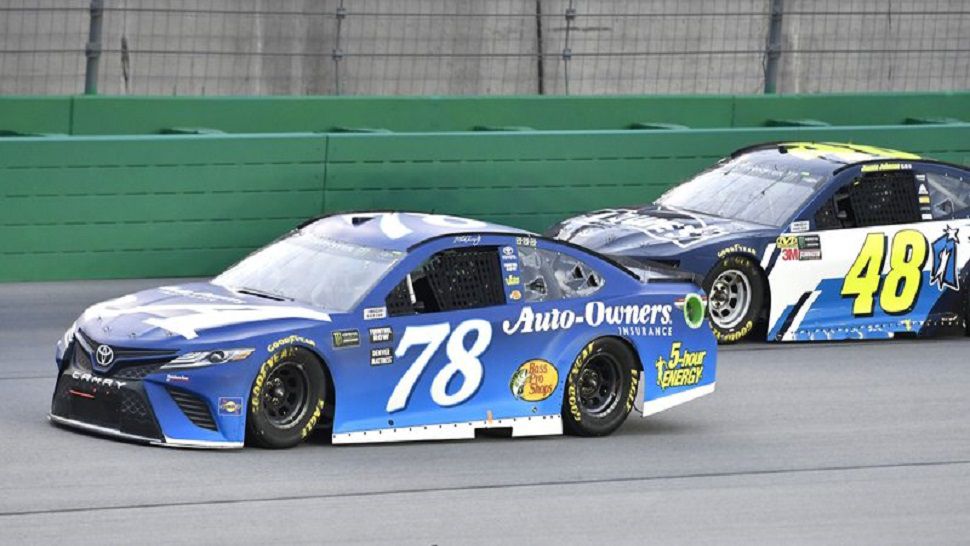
<point x="230" y="406"/>
<point x="534" y="381"/>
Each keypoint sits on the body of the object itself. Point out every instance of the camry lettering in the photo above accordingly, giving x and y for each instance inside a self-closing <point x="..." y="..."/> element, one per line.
<point x="88" y="378"/>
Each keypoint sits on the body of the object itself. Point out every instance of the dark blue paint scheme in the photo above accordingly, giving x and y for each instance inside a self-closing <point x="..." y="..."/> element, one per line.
<point x="696" y="242"/>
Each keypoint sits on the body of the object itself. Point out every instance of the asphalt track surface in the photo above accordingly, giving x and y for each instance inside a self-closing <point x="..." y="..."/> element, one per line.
<point x="852" y="443"/>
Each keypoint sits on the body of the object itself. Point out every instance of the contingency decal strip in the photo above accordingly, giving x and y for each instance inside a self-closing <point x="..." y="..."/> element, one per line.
<point x="786" y="325"/>
<point x="534" y="425"/>
<point x="801" y="309"/>
<point x="667" y="402"/>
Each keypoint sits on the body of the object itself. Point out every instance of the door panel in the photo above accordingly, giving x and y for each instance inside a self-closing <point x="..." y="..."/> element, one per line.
<point x="867" y="282"/>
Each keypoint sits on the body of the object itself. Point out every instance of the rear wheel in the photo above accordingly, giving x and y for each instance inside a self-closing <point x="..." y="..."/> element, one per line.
<point x="600" y="388"/>
<point x="735" y="293"/>
<point x="287" y="399"/>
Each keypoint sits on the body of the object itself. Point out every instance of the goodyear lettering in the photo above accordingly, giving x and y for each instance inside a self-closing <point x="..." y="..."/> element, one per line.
<point x="313" y="419"/>
<point x="595" y="314"/>
<point x="634" y="383"/>
<point x="572" y="397"/>
<point x="737" y="249"/>
<point x="264" y="370"/>
<point x="291" y="340"/>
<point x="734" y="336"/>
<point x="682" y="369"/>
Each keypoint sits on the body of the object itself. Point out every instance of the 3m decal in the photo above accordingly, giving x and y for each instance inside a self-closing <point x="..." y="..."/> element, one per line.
<point x="381" y="356"/>
<point x="901" y="286"/>
<point x="383" y="334"/>
<point x="534" y="381"/>
<point x="681" y="369"/>
<point x="461" y="360"/>
<point x="345" y="338"/>
<point x="230" y="406"/>
<point x="800" y="247"/>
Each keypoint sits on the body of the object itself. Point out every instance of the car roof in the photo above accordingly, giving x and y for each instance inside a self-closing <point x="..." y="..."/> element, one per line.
<point x="825" y="156"/>
<point x="399" y="231"/>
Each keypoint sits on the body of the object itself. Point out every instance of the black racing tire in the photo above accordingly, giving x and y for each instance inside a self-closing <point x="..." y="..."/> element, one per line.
<point x="600" y="388"/>
<point x="287" y="400"/>
<point x="736" y="290"/>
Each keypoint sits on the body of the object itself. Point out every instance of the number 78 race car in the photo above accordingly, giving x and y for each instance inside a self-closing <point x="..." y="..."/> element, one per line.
<point x="387" y="327"/>
<point x="814" y="241"/>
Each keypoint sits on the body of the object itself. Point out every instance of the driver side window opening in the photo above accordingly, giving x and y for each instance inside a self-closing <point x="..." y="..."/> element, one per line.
<point x="873" y="199"/>
<point x="453" y="279"/>
<point x="548" y="275"/>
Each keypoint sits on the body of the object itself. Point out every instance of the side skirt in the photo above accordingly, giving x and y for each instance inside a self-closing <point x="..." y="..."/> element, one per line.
<point x="536" y="425"/>
<point x="667" y="402"/>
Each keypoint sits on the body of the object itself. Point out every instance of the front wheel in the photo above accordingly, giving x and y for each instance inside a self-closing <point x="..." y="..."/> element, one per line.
<point x="735" y="293"/>
<point x="287" y="399"/>
<point x="600" y="388"/>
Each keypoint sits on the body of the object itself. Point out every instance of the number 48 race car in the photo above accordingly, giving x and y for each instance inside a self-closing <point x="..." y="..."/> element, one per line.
<point x="387" y="327"/>
<point x="815" y="241"/>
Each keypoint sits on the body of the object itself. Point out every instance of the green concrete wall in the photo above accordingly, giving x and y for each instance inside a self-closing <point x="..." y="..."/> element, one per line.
<point x="152" y="115"/>
<point x="145" y="206"/>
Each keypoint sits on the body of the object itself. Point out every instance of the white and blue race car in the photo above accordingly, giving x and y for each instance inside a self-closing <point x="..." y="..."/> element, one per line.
<point x="386" y="327"/>
<point x="809" y="241"/>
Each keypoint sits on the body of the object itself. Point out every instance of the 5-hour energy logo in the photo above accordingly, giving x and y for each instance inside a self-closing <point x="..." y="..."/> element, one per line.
<point x="681" y="369"/>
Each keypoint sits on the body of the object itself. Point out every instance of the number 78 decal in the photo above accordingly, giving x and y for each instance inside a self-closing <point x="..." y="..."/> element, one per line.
<point x="901" y="287"/>
<point x="460" y="360"/>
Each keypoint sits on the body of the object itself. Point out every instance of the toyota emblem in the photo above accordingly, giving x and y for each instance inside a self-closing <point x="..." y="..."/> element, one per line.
<point x="105" y="356"/>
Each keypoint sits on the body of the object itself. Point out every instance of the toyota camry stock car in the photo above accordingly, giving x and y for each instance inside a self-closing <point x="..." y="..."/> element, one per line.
<point x="386" y="327"/>
<point x="809" y="241"/>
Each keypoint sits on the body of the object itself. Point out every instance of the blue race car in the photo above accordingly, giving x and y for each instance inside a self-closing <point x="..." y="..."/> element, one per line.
<point x="387" y="327"/>
<point x="813" y="241"/>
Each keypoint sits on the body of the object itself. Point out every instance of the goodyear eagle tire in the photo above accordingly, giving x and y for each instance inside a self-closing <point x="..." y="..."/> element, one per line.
<point x="600" y="388"/>
<point x="287" y="399"/>
<point x="736" y="295"/>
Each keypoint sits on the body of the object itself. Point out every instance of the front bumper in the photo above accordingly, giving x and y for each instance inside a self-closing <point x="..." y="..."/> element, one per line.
<point x="119" y="405"/>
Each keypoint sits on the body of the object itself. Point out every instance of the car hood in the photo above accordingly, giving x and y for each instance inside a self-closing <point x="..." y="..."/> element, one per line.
<point x="652" y="230"/>
<point x="192" y="314"/>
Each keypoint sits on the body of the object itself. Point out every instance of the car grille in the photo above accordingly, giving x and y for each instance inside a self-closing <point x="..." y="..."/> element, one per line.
<point x="194" y="408"/>
<point x="129" y="363"/>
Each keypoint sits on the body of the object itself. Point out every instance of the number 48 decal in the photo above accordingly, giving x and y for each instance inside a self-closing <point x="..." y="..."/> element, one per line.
<point x="901" y="287"/>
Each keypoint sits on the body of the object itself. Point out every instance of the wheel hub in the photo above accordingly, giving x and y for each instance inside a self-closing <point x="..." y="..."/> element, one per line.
<point x="286" y="395"/>
<point x="730" y="298"/>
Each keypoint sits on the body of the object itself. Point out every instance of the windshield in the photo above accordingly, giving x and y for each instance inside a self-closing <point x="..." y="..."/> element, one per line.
<point x="311" y="269"/>
<point x="761" y="190"/>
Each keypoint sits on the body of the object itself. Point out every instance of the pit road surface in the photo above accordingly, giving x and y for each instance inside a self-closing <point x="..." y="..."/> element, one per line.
<point x="857" y="443"/>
